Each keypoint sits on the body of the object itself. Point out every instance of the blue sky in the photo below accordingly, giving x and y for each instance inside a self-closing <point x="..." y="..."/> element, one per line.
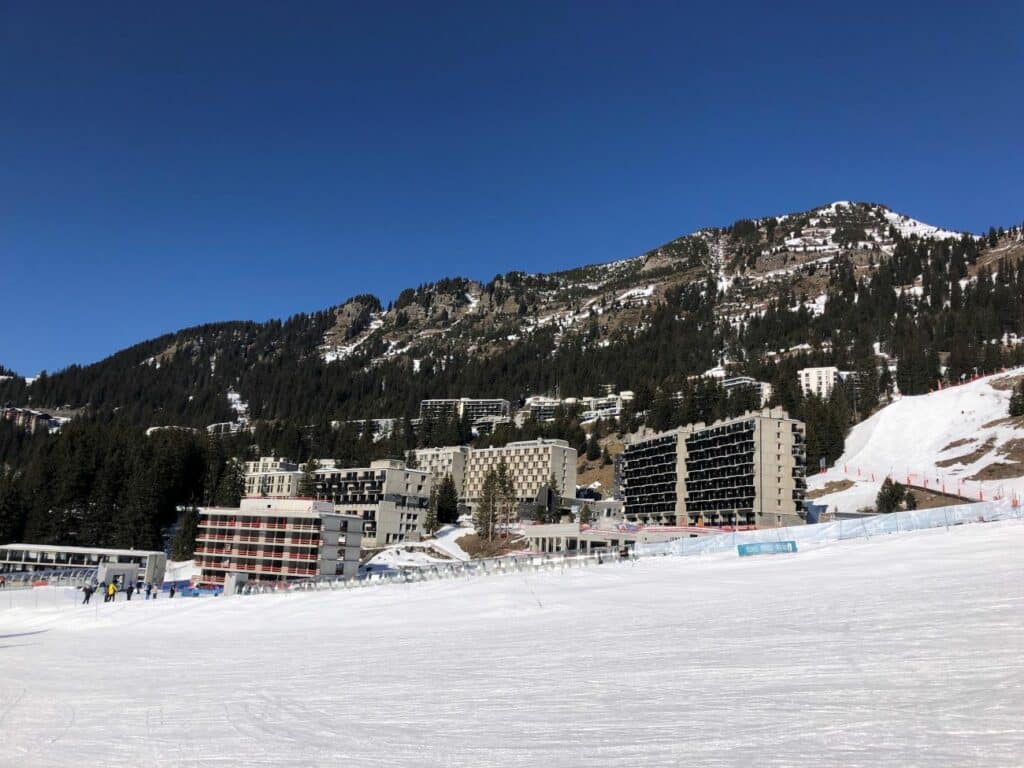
<point x="167" y="165"/>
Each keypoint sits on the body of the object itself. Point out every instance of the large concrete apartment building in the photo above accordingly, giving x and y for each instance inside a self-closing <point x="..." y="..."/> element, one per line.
<point x="530" y="463"/>
<point x="818" y="381"/>
<point x="749" y="470"/>
<point x="464" y="408"/>
<point x="389" y="497"/>
<point x="444" y="461"/>
<point x="272" y="477"/>
<point x="277" y="540"/>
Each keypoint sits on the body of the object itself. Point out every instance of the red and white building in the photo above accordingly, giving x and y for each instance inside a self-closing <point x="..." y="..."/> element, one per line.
<point x="273" y="540"/>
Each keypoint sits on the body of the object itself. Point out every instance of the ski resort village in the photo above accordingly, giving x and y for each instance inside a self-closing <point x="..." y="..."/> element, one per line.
<point x="752" y="497"/>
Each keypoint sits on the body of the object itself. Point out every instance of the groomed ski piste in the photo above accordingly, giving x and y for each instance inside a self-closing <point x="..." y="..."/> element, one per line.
<point x="944" y="441"/>
<point x="897" y="649"/>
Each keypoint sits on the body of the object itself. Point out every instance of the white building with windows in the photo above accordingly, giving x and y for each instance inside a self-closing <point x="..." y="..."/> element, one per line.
<point x="443" y="461"/>
<point x="530" y="463"/>
<point x="271" y="477"/>
<point x="276" y="540"/>
<point x="818" y="381"/>
<point x="388" y="496"/>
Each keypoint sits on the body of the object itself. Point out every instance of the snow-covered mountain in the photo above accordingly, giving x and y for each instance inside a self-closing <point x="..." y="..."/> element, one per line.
<point x="744" y="261"/>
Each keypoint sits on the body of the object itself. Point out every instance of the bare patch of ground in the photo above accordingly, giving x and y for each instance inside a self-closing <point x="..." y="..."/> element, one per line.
<point x="833" y="486"/>
<point x="1000" y="470"/>
<point x="1006" y="421"/>
<point x="931" y="499"/>
<point x="1007" y="383"/>
<point x="476" y="547"/>
<point x="588" y="472"/>
<point x="1013" y="451"/>
<point x="969" y="458"/>
<point x="960" y="442"/>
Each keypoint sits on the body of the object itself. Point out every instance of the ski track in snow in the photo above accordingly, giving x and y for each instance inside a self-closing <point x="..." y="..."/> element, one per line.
<point x="903" y="649"/>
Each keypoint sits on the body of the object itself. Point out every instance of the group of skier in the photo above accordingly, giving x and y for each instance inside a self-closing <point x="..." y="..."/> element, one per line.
<point x="109" y="591"/>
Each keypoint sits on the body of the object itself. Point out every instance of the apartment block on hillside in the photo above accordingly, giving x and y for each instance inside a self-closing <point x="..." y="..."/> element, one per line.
<point x="391" y="498"/>
<point x="443" y="461"/>
<point x="277" y="540"/>
<point x="271" y="477"/>
<point x="531" y="464"/>
<point x="464" y="408"/>
<point x="750" y="470"/>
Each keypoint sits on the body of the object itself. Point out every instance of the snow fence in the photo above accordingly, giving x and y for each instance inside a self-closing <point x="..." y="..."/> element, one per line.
<point x="839" y="530"/>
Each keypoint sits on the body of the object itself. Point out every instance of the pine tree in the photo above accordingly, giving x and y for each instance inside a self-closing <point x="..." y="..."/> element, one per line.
<point x="1017" y="401"/>
<point x="447" y="502"/>
<point x="231" y="486"/>
<point x="430" y="521"/>
<point x="890" y="496"/>
<point x="183" y="544"/>
<point x="486" y="510"/>
<point x="308" y="482"/>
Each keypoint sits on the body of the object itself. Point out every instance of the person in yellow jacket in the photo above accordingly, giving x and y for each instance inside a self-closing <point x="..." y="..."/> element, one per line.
<point x="111" y="591"/>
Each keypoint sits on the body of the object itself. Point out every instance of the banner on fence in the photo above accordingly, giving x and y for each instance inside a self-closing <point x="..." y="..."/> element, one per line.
<point x="765" y="548"/>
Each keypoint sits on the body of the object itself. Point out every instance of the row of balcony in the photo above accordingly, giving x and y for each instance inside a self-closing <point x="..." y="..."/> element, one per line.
<point x="253" y="554"/>
<point x="255" y="568"/>
<point x="283" y="541"/>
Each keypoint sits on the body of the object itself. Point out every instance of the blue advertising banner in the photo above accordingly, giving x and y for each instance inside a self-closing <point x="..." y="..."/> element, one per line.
<point x="766" y="548"/>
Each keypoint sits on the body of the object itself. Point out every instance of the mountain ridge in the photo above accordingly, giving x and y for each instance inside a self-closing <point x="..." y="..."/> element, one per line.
<point x="724" y="280"/>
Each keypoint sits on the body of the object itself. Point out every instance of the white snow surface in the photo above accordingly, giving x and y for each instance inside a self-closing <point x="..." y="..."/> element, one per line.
<point x="892" y="651"/>
<point x="447" y="538"/>
<point x="910" y="436"/>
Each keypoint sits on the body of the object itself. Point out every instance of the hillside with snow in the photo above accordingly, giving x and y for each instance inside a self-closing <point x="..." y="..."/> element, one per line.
<point x="958" y="441"/>
<point x="890" y="651"/>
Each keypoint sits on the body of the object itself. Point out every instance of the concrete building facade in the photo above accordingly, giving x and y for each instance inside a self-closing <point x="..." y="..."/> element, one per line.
<point x="531" y="464"/>
<point x="750" y="470"/>
<point x="149" y="566"/>
<point x="388" y="496"/>
<point x="464" y="408"/>
<point x="762" y="388"/>
<point x="277" y="540"/>
<point x="444" y="461"/>
<point x="271" y="477"/>
<point x="818" y="381"/>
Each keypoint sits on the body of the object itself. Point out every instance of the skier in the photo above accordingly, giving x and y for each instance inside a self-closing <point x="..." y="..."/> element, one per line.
<point x="3" y="582"/>
<point x="129" y="590"/>
<point x="170" y="592"/>
<point x="149" y="589"/>
<point x="87" y="591"/>
<point x="112" y="591"/>
<point x="103" y="591"/>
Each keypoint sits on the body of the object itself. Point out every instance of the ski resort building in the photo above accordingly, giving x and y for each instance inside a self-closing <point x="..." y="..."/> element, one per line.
<point x="531" y="465"/>
<point x="43" y="557"/>
<point x="818" y="381"/>
<point x="737" y="383"/>
<point x="750" y="470"/>
<point x="270" y="477"/>
<point x="444" y="461"/>
<point x="277" y="540"/>
<point x="464" y="408"/>
<point x="388" y="496"/>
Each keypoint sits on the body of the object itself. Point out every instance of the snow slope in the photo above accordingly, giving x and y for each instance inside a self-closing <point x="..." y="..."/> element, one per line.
<point x="909" y="438"/>
<point x="898" y="650"/>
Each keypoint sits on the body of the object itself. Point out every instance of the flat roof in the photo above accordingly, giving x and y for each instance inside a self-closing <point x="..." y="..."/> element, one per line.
<point x="78" y="550"/>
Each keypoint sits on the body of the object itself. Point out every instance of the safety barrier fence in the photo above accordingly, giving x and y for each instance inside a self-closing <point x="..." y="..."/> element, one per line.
<point x="441" y="571"/>
<point x="840" y="530"/>
<point x="56" y="577"/>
